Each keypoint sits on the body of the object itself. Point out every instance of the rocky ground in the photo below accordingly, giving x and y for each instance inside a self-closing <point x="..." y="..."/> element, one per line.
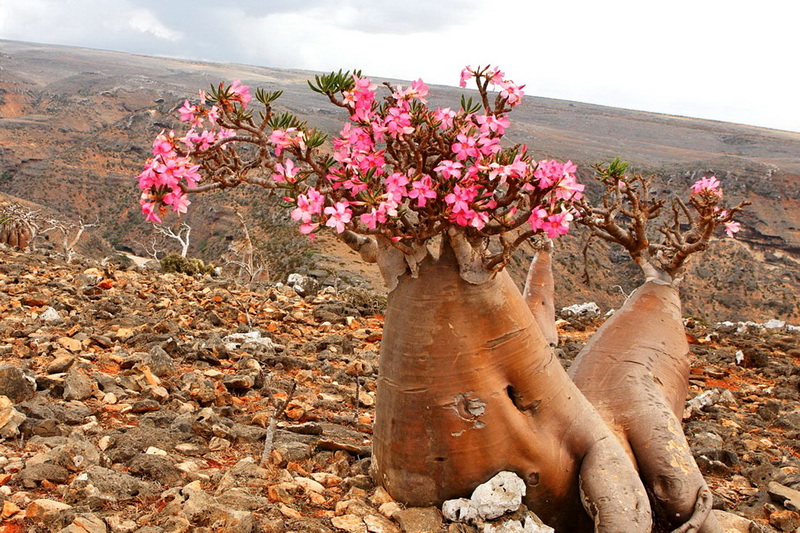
<point x="137" y="401"/>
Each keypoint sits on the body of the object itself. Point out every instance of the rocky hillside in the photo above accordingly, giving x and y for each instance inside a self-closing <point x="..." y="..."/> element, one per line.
<point x="76" y="125"/>
<point x="136" y="401"/>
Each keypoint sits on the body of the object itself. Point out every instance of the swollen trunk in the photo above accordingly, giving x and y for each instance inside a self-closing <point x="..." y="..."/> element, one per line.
<point x="635" y="371"/>
<point x="468" y="387"/>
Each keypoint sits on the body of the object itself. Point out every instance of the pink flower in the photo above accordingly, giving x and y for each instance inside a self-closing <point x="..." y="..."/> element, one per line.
<point x="285" y="172"/>
<point x="709" y="185"/>
<point x="465" y="147"/>
<point x="190" y="113"/>
<point x="493" y="123"/>
<point x="445" y="116"/>
<point x="396" y="185"/>
<point x="466" y="75"/>
<point x="282" y="139"/>
<point x="495" y="77"/>
<point x="241" y="93"/>
<point x="422" y="190"/>
<point x="339" y="215"/>
<point x="380" y="214"/>
<point x="150" y="210"/>
<point x="449" y="169"/>
<point x="163" y="146"/>
<point x="179" y="201"/>
<point x="512" y="93"/>
<point x="568" y="188"/>
<point x="732" y="227"/>
<point x="398" y="122"/>
<point x="548" y="172"/>
<point x="308" y="205"/>
<point x="418" y="90"/>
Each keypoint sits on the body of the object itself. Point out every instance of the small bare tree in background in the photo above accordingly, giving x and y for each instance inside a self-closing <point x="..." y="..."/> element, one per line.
<point x="70" y="232"/>
<point x="182" y="235"/>
<point x="251" y="264"/>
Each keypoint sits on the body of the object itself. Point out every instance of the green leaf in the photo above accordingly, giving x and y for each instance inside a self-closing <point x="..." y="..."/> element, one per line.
<point x="468" y="105"/>
<point x="267" y="97"/>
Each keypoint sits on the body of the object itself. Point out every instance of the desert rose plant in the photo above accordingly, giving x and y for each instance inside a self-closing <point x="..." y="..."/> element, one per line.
<point x="468" y="385"/>
<point x="635" y="369"/>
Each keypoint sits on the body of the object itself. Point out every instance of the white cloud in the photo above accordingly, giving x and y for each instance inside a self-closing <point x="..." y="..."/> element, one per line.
<point x="144" y="21"/>
<point x="726" y="60"/>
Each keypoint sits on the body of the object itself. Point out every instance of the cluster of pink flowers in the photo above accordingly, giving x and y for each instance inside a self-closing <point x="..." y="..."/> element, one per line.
<point x="464" y="188"/>
<point x="161" y="179"/>
<point x="473" y="182"/>
<point x="708" y="185"/>
<point x="170" y="171"/>
<point x="711" y="187"/>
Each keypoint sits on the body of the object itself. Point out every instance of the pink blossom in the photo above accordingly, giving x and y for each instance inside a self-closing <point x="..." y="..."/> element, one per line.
<point x="163" y="146"/>
<point x="339" y="215"/>
<point x="282" y="139"/>
<point x="150" y="210"/>
<point x="398" y="122"/>
<point x="732" y="227"/>
<point x="548" y="172"/>
<point x="709" y="185"/>
<point x="488" y="145"/>
<point x="189" y="113"/>
<point x="241" y="93"/>
<point x="285" y="172"/>
<point x="396" y="185"/>
<point x="449" y="169"/>
<point x="309" y="228"/>
<point x="179" y="201"/>
<point x="445" y="116"/>
<point x="308" y="205"/>
<point x="213" y="114"/>
<point x="493" y="123"/>
<point x="496" y="76"/>
<point x="461" y="197"/>
<point x="512" y="93"/>
<point x="422" y="191"/>
<point x="380" y="214"/>
<point x="418" y="90"/>
<point x="568" y="188"/>
<point x="465" y="147"/>
<point x="466" y="75"/>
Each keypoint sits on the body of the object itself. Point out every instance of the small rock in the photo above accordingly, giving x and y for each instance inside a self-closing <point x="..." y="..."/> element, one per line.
<point x="159" y="361"/>
<point x="350" y="523"/>
<point x="34" y="300"/>
<point x="77" y="386"/>
<point x="121" y="525"/>
<point x="60" y="364"/>
<point x="98" y="487"/>
<point x="15" y="385"/>
<point x="732" y="523"/>
<point x="460" y="510"/>
<point x="784" y="520"/>
<point x="73" y="345"/>
<point x="378" y="524"/>
<point x="42" y="509"/>
<point x="51" y="316"/>
<point x="501" y="494"/>
<point x="419" y="519"/>
<point x="10" y="419"/>
<point x="787" y="497"/>
<point x="87" y="523"/>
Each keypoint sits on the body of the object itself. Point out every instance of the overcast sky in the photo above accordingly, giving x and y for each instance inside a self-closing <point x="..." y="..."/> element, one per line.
<point x="735" y="61"/>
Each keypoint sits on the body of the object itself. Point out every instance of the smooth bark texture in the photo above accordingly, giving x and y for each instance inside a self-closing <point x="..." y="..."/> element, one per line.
<point x="468" y="387"/>
<point x="538" y="293"/>
<point x="635" y="371"/>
